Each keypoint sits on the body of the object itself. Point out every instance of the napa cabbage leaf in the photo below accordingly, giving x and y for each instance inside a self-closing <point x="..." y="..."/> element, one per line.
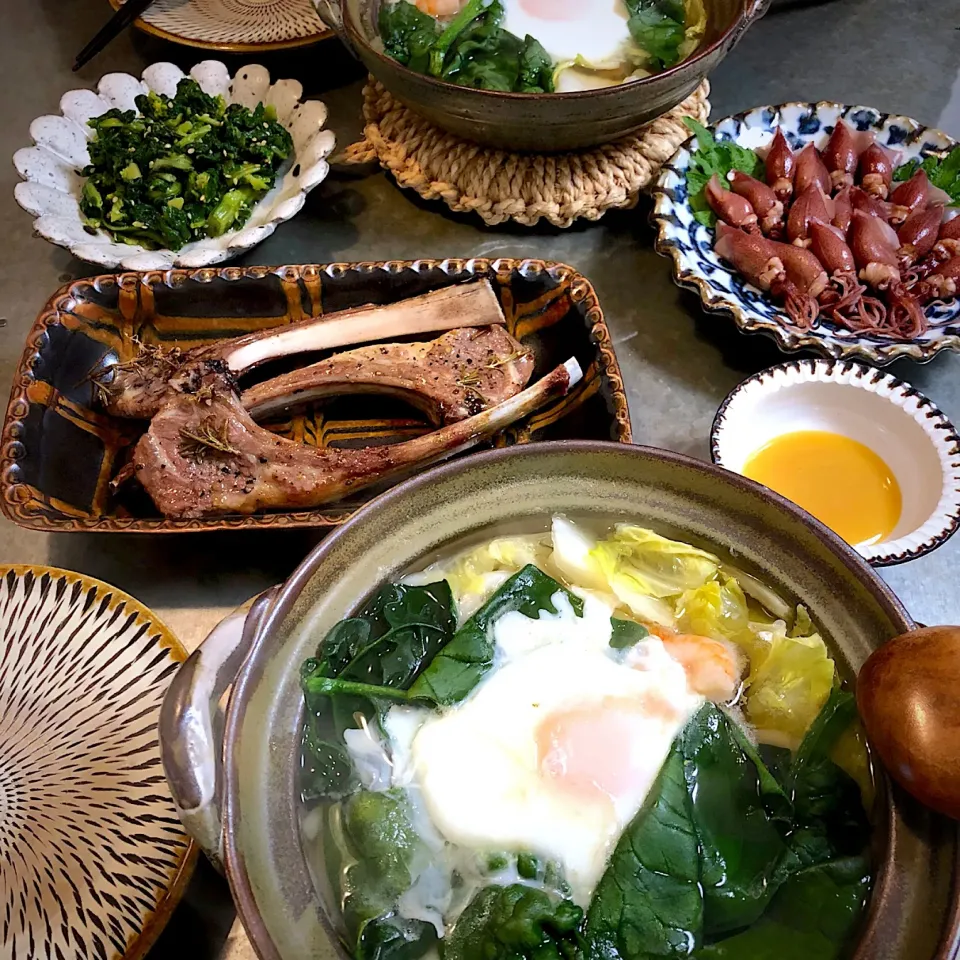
<point x="791" y="676"/>
<point x="476" y="574"/>
<point x="717" y="609"/>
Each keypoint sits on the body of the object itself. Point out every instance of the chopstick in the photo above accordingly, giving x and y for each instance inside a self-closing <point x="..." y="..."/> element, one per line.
<point x="114" y="26"/>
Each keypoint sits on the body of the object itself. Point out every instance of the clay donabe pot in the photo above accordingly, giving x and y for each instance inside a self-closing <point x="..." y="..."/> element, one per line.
<point x="253" y="794"/>
<point x="540" y="122"/>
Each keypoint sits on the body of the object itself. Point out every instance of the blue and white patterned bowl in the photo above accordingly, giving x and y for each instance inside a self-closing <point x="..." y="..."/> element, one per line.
<point x="695" y="265"/>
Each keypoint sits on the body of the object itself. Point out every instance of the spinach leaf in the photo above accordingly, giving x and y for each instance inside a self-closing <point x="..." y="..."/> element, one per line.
<point x="743" y="857"/>
<point x="839" y="711"/>
<point x="392" y="937"/>
<point x="775" y="798"/>
<point x="812" y="916"/>
<point x="512" y="923"/>
<point x="477" y="14"/>
<point x="464" y="661"/>
<point x="657" y="26"/>
<point x="407" y="34"/>
<point x="325" y="766"/>
<point x="370" y="845"/>
<point x="536" y="68"/>
<point x="472" y="50"/>
<point x="626" y="633"/>
<point x="829" y="814"/>
<point x="377" y="654"/>
<point x="714" y="157"/>
<point x="648" y="902"/>
<point x="484" y="56"/>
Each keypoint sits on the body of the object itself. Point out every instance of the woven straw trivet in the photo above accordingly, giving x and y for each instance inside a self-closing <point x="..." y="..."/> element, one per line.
<point x="503" y="186"/>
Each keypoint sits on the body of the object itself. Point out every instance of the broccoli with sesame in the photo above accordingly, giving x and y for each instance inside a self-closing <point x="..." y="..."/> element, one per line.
<point x="180" y="168"/>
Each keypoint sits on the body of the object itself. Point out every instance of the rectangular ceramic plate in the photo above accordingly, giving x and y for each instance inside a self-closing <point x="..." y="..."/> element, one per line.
<point x="59" y="451"/>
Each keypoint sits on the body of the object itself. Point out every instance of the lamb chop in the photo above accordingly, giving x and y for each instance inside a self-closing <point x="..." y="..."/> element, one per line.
<point x="450" y="378"/>
<point x="136" y="388"/>
<point x="203" y="454"/>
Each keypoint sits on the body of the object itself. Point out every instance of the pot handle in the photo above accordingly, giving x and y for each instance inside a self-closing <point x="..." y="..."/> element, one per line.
<point x="191" y="724"/>
<point x="755" y="9"/>
<point x="331" y="13"/>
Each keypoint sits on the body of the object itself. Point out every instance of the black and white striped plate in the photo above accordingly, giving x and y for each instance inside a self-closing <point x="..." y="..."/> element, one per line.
<point x="92" y="856"/>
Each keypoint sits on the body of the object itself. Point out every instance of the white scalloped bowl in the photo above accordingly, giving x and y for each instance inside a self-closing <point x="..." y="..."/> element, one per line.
<point x="52" y="184"/>
<point x="905" y="429"/>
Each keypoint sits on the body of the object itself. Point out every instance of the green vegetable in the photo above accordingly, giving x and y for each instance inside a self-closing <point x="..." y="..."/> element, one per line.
<point x="370" y="847"/>
<point x="536" y="68"/>
<point x="513" y="923"/>
<point x="469" y="574"/>
<point x="642" y="569"/>
<point x="829" y="819"/>
<point x="943" y="173"/>
<point x="234" y="206"/>
<point x="472" y="10"/>
<point x="658" y="27"/>
<point x="811" y="918"/>
<point x="648" y="903"/>
<point x="626" y="633"/>
<point x="720" y="834"/>
<point x="378" y="653"/>
<point x="407" y="34"/>
<point x="392" y="937"/>
<point x="528" y="866"/>
<point x="791" y="676"/>
<point x="463" y="662"/>
<point x="175" y="147"/>
<point x="743" y="857"/>
<point x="827" y="801"/>
<point x="714" y="157"/>
<point x="472" y="50"/>
<point x="717" y="609"/>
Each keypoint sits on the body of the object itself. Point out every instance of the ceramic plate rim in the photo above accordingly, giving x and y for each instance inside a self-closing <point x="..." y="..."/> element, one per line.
<point x="246" y="46"/>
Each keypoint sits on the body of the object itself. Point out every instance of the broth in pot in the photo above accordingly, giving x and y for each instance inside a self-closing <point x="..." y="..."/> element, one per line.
<point x="591" y="743"/>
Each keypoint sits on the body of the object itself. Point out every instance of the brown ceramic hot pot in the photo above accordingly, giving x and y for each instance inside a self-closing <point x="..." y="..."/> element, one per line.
<point x="546" y="122"/>
<point x="244" y="812"/>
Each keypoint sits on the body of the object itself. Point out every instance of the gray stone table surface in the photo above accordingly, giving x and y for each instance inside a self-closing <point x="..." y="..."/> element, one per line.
<point x="678" y="363"/>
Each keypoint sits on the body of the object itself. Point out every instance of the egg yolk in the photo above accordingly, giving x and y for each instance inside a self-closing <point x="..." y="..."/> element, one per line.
<point x="843" y="483"/>
<point x="599" y="753"/>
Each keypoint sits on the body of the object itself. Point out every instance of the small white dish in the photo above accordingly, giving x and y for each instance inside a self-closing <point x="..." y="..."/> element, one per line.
<point x="52" y="184"/>
<point x="905" y="429"/>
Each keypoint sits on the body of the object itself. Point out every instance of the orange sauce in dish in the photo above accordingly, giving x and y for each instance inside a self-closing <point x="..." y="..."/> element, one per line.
<point x="841" y="482"/>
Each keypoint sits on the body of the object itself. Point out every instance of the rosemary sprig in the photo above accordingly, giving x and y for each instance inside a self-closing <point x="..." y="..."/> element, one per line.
<point x="468" y="379"/>
<point x="151" y="360"/>
<point x="208" y="438"/>
<point x="502" y="361"/>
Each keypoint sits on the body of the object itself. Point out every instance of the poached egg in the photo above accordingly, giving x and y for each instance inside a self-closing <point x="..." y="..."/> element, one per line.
<point x="593" y="30"/>
<point x="556" y="750"/>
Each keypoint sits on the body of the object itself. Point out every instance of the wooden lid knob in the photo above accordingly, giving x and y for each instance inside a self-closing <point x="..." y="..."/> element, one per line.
<point x="908" y="693"/>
